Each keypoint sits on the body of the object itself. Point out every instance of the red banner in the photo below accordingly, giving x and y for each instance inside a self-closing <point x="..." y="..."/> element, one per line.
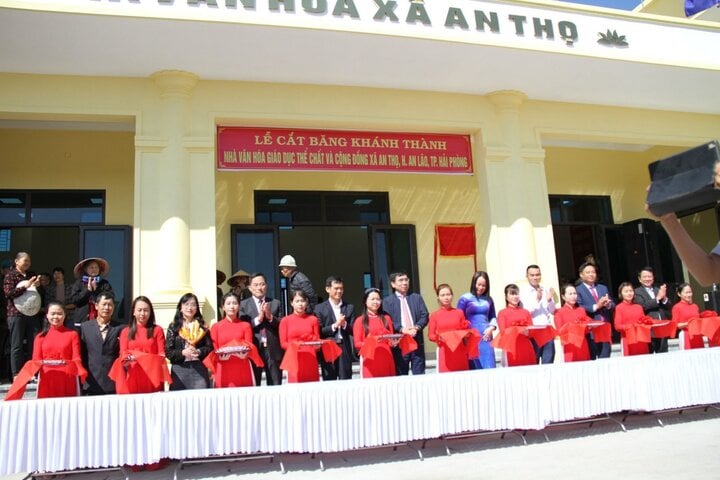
<point x="241" y="148"/>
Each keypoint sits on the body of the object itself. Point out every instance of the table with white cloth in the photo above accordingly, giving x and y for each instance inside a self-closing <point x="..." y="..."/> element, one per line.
<point x="93" y="432"/>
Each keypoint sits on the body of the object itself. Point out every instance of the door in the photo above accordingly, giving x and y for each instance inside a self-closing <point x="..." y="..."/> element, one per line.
<point x="393" y="249"/>
<point x="114" y="244"/>
<point x="363" y="255"/>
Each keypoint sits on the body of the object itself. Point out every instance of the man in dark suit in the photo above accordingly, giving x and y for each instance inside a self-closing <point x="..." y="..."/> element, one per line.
<point x="336" y="319"/>
<point x="655" y="303"/>
<point x="595" y="299"/>
<point x="100" y="345"/>
<point x="264" y="313"/>
<point x="409" y="315"/>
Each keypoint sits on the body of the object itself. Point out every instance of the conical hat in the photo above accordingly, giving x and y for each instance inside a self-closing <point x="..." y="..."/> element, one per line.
<point x="80" y="267"/>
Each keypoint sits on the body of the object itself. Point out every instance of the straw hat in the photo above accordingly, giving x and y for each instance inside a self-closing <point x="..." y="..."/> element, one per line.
<point x="80" y="267"/>
<point x="219" y="277"/>
<point x="236" y="276"/>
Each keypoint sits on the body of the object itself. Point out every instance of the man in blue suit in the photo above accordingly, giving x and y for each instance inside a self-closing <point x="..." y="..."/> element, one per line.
<point x="595" y="299"/>
<point x="409" y="315"/>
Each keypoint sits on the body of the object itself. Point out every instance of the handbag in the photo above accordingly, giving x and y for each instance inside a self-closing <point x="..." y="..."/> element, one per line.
<point x="29" y="302"/>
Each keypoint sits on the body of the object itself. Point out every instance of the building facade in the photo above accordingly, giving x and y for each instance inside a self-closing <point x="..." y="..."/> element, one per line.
<point x="128" y="104"/>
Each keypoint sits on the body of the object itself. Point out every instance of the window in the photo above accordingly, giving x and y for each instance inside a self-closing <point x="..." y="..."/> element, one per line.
<point x="580" y="209"/>
<point x="12" y="208"/>
<point x="294" y="208"/>
<point x="50" y="207"/>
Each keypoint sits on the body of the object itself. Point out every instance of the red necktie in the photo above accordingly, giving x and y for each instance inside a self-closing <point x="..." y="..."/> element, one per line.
<point x="594" y="294"/>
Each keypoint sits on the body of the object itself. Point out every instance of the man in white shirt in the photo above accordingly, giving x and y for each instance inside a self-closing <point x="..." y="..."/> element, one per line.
<point x="336" y="318"/>
<point x="540" y="302"/>
<point x="263" y="314"/>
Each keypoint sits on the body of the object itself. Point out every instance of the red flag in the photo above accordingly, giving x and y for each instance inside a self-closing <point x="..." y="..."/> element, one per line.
<point x="454" y="240"/>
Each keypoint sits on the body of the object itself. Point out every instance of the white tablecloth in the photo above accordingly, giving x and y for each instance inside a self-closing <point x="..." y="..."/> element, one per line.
<point x="70" y="433"/>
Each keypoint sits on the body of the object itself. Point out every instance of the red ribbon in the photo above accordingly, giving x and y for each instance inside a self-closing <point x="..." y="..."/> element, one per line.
<point x="290" y="362"/>
<point x="574" y="333"/>
<point x="705" y="325"/>
<point x="31" y="367"/>
<point x="154" y="366"/>
<point x="454" y="338"/>
<point x="407" y="344"/>
<point x="507" y="339"/>
<point x="212" y="360"/>
<point x="642" y="331"/>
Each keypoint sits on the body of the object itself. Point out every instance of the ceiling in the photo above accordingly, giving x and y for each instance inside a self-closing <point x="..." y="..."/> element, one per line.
<point x="73" y="44"/>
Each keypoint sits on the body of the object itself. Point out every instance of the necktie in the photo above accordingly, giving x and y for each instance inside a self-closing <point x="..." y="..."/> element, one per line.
<point x="406" y="316"/>
<point x="263" y="332"/>
<point x="338" y="332"/>
<point x="594" y="294"/>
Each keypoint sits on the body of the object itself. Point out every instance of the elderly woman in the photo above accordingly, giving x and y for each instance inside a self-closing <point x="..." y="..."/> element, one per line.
<point x="187" y="343"/>
<point x="89" y="284"/>
<point x="22" y="327"/>
<point x="239" y="284"/>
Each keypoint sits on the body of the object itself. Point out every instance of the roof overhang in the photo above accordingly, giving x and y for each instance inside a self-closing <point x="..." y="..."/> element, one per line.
<point x="312" y="49"/>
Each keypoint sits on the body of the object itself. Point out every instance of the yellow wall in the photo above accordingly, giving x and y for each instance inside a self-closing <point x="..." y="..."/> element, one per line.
<point x="506" y="198"/>
<point x="622" y="175"/>
<point x="421" y="200"/>
<point x="54" y="159"/>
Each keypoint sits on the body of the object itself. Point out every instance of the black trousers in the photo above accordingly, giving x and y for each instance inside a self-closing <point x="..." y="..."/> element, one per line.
<point x="273" y="374"/>
<point x="22" y="330"/>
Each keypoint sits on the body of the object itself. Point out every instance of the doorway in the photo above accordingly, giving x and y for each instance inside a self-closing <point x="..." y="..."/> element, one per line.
<point x="51" y="247"/>
<point x="329" y="233"/>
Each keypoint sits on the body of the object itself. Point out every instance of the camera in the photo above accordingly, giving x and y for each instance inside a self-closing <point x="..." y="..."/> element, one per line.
<point x="87" y="278"/>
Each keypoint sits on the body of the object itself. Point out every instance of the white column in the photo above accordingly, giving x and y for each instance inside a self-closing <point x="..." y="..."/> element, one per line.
<point x="520" y="223"/>
<point x="163" y="194"/>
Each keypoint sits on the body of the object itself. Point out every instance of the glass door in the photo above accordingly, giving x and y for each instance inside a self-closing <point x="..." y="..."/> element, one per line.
<point x="114" y="244"/>
<point x="393" y="248"/>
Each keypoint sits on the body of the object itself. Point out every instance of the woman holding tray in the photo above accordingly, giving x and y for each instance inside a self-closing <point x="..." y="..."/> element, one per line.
<point x="451" y="331"/>
<point x="141" y="367"/>
<point x="572" y="323"/>
<point x="682" y="312"/>
<point x="373" y="336"/>
<point x="300" y="338"/>
<point x="232" y="339"/>
<point x="56" y="356"/>
<point x="513" y="321"/>
<point x="627" y="316"/>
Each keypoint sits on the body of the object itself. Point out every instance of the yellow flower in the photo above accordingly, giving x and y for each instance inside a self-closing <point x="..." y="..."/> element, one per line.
<point x="192" y="332"/>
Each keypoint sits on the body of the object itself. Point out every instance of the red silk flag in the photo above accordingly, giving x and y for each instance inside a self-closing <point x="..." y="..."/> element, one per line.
<point x="454" y="240"/>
